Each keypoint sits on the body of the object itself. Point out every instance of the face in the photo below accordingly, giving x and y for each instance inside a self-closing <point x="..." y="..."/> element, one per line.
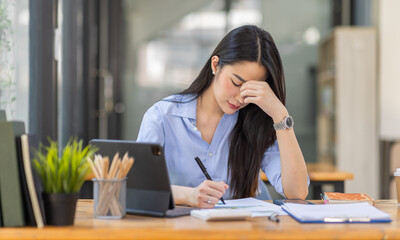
<point x="228" y="80"/>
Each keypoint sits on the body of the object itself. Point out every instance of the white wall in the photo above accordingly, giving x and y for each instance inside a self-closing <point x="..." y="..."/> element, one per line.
<point x="389" y="67"/>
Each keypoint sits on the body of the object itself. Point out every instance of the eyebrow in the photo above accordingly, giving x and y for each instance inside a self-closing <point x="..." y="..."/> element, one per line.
<point x="239" y="77"/>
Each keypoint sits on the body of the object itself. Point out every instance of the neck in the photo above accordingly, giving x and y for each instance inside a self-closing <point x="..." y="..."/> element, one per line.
<point x="208" y="105"/>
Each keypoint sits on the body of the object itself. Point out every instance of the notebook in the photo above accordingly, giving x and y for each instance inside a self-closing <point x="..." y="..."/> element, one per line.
<point x="336" y="197"/>
<point x="336" y="213"/>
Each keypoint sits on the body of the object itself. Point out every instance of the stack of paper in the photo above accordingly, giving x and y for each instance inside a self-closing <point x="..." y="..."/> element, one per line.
<point x="238" y="209"/>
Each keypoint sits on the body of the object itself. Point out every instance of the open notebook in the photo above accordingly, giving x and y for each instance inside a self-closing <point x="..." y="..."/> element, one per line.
<point x="336" y="213"/>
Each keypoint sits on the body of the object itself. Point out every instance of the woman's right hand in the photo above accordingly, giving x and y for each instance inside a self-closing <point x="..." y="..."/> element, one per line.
<point x="207" y="194"/>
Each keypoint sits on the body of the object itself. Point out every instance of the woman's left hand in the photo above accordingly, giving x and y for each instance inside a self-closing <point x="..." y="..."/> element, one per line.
<point x="261" y="94"/>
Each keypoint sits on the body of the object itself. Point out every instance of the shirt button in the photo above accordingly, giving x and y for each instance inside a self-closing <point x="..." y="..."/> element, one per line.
<point x="210" y="154"/>
<point x="195" y="128"/>
<point x="192" y="122"/>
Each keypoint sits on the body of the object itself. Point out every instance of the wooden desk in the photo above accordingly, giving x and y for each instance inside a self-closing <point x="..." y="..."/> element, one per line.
<point x="141" y="227"/>
<point x="321" y="174"/>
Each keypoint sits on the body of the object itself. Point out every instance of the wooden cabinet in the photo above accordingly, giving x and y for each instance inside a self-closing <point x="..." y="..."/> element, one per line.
<point x="347" y="102"/>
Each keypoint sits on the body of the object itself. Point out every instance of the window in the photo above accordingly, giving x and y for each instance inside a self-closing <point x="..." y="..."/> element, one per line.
<point x="14" y="59"/>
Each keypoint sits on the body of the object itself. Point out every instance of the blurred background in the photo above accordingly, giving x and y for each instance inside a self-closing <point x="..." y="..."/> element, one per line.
<point x="91" y="68"/>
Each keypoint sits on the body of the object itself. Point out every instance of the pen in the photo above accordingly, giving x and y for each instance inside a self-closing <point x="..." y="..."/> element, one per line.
<point x="274" y="217"/>
<point x="203" y="169"/>
<point x="323" y="198"/>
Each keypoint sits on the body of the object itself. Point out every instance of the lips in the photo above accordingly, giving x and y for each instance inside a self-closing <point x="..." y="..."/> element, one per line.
<point x="233" y="106"/>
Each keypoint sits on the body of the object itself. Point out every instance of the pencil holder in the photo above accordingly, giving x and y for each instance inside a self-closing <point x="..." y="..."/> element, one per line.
<point x="109" y="198"/>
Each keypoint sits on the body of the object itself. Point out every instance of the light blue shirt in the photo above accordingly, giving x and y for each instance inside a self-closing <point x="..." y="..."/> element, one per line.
<point x="173" y="126"/>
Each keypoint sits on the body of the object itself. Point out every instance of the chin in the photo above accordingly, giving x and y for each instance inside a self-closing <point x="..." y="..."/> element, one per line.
<point x="230" y="111"/>
<point x="227" y="109"/>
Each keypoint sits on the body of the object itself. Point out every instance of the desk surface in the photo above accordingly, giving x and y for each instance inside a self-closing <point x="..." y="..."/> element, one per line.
<point x="141" y="227"/>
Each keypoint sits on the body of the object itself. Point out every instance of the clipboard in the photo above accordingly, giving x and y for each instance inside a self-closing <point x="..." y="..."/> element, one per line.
<point x="336" y="213"/>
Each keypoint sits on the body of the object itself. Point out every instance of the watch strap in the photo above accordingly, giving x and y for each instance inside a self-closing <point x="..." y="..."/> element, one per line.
<point x="282" y="124"/>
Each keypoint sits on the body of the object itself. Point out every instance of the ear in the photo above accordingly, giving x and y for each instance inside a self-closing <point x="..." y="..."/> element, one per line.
<point x="214" y="63"/>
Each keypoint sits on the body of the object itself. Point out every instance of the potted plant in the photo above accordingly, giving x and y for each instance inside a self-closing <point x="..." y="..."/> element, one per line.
<point x="62" y="176"/>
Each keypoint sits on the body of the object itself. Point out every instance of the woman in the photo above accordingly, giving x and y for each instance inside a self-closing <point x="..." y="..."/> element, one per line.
<point x="228" y="117"/>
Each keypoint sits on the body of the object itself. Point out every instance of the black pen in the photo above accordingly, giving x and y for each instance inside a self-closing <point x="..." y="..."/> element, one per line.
<point x="274" y="217"/>
<point x="205" y="173"/>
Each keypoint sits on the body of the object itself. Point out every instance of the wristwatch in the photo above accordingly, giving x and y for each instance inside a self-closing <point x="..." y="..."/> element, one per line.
<point x="286" y="123"/>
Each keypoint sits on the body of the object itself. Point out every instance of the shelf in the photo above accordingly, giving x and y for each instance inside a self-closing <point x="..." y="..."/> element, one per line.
<point x="326" y="77"/>
<point x="346" y="117"/>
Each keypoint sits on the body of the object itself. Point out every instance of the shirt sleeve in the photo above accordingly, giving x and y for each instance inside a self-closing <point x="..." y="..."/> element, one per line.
<point x="271" y="166"/>
<point x="151" y="129"/>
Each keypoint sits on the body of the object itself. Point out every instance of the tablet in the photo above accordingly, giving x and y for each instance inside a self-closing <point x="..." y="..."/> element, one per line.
<point x="148" y="187"/>
<point x="282" y="201"/>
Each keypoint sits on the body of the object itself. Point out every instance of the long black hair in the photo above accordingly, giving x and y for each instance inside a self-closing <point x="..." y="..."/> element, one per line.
<point x="253" y="133"/>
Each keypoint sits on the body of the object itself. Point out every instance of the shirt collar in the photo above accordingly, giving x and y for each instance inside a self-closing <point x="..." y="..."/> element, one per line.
<point x="187" y="106"/>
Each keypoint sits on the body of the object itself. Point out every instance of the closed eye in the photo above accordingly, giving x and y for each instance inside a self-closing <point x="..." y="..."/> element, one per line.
<point x="237" y="85"/>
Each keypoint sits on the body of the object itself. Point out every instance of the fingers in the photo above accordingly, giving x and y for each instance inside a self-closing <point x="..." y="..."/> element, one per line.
<point x="209" y="193"/>
<point x="212" y="200"/>
<point x="257" y="92"/>
<point x="212" y="192"/>
<point x="254" y="89"/>
<point x="249" y="93"/>
<point x="219" y="186"/>
<point x="254" y="100"/>
<point x="204" y="203"/>
<point x="253" y="85"/>
<point x="204" y="200"/>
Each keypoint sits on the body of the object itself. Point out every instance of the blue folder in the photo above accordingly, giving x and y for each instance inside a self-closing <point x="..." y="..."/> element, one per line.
<point x="336" y="213"/>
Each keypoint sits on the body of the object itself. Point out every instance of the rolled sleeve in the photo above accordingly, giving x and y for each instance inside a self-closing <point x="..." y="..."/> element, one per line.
<point x="151" y="129"/>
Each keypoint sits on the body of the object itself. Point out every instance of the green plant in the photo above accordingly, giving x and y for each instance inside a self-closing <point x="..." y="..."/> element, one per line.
<point x="65" y="173"/>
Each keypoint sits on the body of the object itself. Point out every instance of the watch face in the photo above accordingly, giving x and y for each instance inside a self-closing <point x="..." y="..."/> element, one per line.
<point x="289" y="122"/>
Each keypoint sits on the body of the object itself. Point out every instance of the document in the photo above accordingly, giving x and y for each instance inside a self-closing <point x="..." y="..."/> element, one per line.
<point x="257" y="207"/>
<point x="238" y="209"/>
<point x="336" y="213"/>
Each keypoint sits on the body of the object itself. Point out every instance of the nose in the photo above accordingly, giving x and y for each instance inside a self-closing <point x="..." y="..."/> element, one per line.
<point x="239" y="98"/>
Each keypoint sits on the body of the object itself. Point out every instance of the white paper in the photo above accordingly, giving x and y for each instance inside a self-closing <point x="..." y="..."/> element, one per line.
<point x="257" y="207"/>
<point x="220" y="214"/>
<point x="319" y="212"/>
